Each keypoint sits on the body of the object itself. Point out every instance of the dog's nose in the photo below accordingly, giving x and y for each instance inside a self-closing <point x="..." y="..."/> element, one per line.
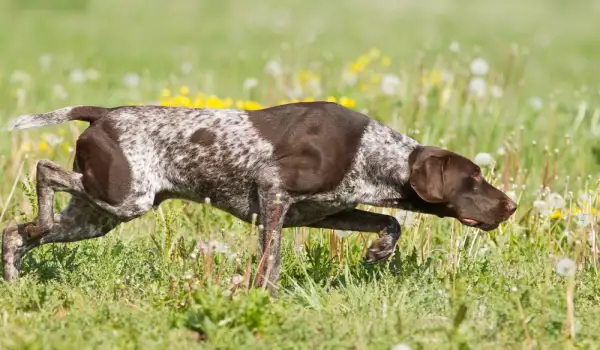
<point x="511" y="207"/>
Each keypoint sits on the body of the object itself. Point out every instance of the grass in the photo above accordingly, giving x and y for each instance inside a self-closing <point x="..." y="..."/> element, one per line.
<point x="156" y="282"/>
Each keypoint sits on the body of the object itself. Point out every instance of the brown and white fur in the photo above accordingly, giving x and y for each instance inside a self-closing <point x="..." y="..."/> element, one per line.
<point x="301" y="164"/>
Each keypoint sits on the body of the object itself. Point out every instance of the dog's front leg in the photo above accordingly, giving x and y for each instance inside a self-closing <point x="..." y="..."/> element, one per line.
<point x="386" y="226"/>
<point x="274" y="205"/>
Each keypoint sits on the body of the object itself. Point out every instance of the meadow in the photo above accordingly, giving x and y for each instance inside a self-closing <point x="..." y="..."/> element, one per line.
<point x="512" y="85"/>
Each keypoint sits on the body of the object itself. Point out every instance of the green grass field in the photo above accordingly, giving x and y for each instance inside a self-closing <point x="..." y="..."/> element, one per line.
<point x="515" y="81"/>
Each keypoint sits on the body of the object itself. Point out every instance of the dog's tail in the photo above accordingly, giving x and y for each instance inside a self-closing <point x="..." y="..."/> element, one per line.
<point x="83" y="113"/>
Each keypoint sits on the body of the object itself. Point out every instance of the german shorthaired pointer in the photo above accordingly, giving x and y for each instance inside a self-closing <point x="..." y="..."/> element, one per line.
<point x="299" y="164"/>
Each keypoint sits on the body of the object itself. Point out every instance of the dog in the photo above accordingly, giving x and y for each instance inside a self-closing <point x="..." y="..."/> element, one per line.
<point x="307" y="164"/>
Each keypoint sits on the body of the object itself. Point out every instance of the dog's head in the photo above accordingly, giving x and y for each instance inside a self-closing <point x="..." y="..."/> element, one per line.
<point x="455" y="186"/>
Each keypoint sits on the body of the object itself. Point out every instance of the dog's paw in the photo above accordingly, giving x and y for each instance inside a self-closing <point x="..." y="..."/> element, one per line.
<point x="13" y="247"/>
<point x="381" y="249"/>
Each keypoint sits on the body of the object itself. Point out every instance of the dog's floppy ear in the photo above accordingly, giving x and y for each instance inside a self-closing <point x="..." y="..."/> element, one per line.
<point x="427" y="178"/>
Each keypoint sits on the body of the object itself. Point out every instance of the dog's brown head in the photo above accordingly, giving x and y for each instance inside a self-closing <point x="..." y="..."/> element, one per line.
<point x="454" y="186"/>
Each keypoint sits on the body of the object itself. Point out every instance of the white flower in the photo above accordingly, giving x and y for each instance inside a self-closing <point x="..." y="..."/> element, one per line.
<point x="483" y="159"/>
<point x="446" y="77"/>
<point x="186" y="68"/>
<point x="45" y="61"/>
<point x="273" y="67"/>
<point x="77" y="76"/>
<point x="477" y="87"/>
<point x="131" y="80"/>
<point x="496" y="91"/>
<point x="405" y="218"/>
<point x="92" y="74"/>
<point x="565" y="267"/>
<point x="390" y="84"/>
<point x="536" y="103"/>
<point x="555" y="201"/>
<point x="501" y="151"/>
<point x="250" y="83"/>
<point x="59" y="92"/>
<point x="542" y="207"/>
<point x="454" y="46"/>
<point x="20" y="76"/>
<point x="342" y="234"/>
<point x="479" y="66"/>
<point x="400" y="346"/>
<point x="582" y="220"/>
<point x="349" y="78"/>
<point x="237" y="279"/>
<point x="584" y="197"/>
<point x="53" y="140"/>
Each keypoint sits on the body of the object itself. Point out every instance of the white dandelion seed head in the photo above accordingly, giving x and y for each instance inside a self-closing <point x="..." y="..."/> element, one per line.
<point x="479" y="66"/>
<point x="477" y="87"/>
<point x="186" y="68"/>
<point x="390" y="84"/>
<point x="45" y="61"/>
<point x="53" y="139"/>
<point x="400" y="346"/>
<point x="274" y="68"/>
<point x="131" y="80"/>
<point x="237" y="279"/>
<point x="496" y="91"/>
<point x="555" y="201"/>
<point x="484" y="159"/>
<point x="92" y="74"/>
<point x="565" y="267"/>
<point x="501" y="151"/>
<point x="342" y="234"/>
<point x="454" y="46"/>
<point x="514" y="289"/>
<point x="20" y="76"/>
<point x="405" y="218"/>
<point x="349" y="79"/>
<point x="582" y="219"/>
<point x="59" y="92"/>
<point x="536" y="103"/>
<point x="542" y="207"/>
<point x="77" y="76"/>
<point x="250" y="83"/>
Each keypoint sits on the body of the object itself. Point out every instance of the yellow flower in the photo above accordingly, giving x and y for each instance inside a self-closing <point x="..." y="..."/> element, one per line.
<point x="331" y="99"/>
<point x="282" y="102"/>
<point x="165" y="92"/>
<point x="360" y="64"/>
<point x="362" y="87"/>
<point x="199" y="101"/>
<point x="385" y="61"/>
<point x="435" y="77"/>
<point x="347" y="102"/>
<point x="43" y="146"/>
<point x="213" y="101"/>
<point x="239" y="104"/>
<point x="227" y="102"/>
<point x="374" y="53"/>
<point x="184" y="90"/>
<point x="26" y="146"/>
<point x="557" y="214"/>
<point x="309" y="99"/>
<point x="251" y="105"/>
<point x="375" y="78"/>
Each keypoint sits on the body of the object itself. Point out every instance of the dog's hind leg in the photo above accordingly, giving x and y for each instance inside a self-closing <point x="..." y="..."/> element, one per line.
<point x="359" y="220"/>
<point x="79" y="221"/>
<point x="51" y="178"/>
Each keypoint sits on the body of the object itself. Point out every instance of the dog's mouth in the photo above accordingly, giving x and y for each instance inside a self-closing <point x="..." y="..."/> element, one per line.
<point x="478" y="224"/>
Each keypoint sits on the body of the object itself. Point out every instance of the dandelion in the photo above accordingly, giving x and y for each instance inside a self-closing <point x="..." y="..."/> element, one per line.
<point x="59" y="92"/>
<point x="20" y="76"/>
<point x="496" y="91"/>
<point x="536" y="103"/>
<point x="131" y="80"/>
<point x="184" y="90"/>
<point x="45" y="61"/>
<point x="582" y="220"/>
<point x="406" y="218"/>
<point x="565" y="267"/>
<point x="77" y="76"/>
<point x="556" y="214"/>
<point x="484" y="159"/>
<point x="349" y="78"/>
<point x="186" y="68"/>
<point x="237" y="279"/>
<point x="542" y="207"/>
<point x="347" y="102"/>
<point x="556" y="201"/>
<point x="92" y="74"/>
<point x="331" y="99"/>
<point x="454" y="46"/>
<point x="385" y="61"/>
<point x="390" y="84"/>
<point x="53" y="140"/>
<point x="342" y="234"/>
<point x="250" y="83"/>
<point x="273" y="67"/>
<point x="479" y="66"/>
<point x="446" y="77"/>
<point x="501" y="151"/>
<point x="400" y="346"/>
<point x="477" y="87"/>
